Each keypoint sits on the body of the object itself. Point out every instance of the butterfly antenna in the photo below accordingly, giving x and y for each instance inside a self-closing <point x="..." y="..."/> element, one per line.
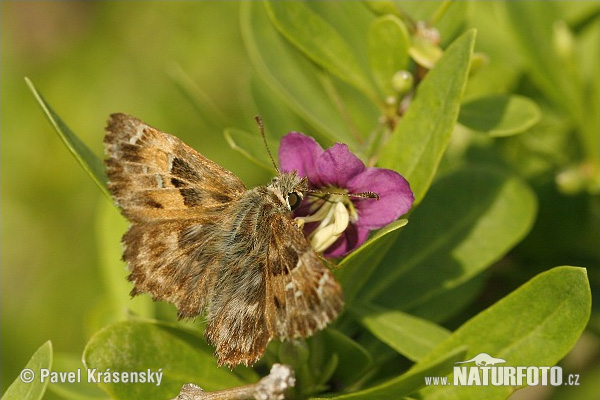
<point x="261" y="129"/>
<point x="362" y="195"/>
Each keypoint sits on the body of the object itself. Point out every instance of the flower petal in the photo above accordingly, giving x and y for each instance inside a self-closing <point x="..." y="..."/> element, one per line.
<point x="395" y="197"/>
<point x="298" y="152"/>
<point x="337" y="165"/>
<point x="351" y="239"/>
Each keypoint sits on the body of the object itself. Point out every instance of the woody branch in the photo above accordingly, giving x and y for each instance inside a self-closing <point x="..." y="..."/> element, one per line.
<point x="271" y="387"/>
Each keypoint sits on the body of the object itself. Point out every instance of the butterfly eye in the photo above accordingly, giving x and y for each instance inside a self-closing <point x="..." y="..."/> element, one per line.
<point x="294" y="199"/>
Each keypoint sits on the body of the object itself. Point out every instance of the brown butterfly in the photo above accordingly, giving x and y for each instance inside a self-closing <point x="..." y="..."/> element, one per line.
<point x="202" y="241"/>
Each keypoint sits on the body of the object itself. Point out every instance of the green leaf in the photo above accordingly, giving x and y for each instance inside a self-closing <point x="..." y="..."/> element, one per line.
<point x="388" y="50"/>
<point x="136" y="345"/>
<point x="318" y="41"/>
<point x="86" y="158"/>
<point x="290" y="75"/>
<point x="445" y="305"/>
<point x="499" y="115"/>
<point x="82" y="390"/>
<point x="421" y="137"/>
<point x="410" y="336"/>
<point x="19" y="390"/>
<point x="469" y="220"/>
<point x="355" y="268"/>
<point x="409" y="382"/>
<point x="424" y="52"/>
<point x="353" y="359"/>
<point x="536" y="325"/>
<point x="251" y="146"/>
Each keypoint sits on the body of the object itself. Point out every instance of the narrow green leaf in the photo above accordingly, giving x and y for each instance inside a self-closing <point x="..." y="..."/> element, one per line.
<point x="34" y="389"/>
<point x="357" y="267"/>
<point x="499" y="115"/>
<point x="536" y="325"/>
<point x="86" y="158"/>
<point x="388" y="50"/>
<point x="409" y="382"/>
<point x="410" y="336"/>
<point x="319" y="42"/>
<point x="136" y="345"/>
<point x="469" y="220"/>
<point x="290" y="75"/>
<point x="252" y="147"/>
<point x="420" y="139"/>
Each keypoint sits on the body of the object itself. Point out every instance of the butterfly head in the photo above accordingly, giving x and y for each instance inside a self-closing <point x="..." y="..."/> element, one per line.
<point x="290" y="189"/>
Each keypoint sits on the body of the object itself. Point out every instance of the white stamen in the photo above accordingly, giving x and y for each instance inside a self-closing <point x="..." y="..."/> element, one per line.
<point x="331" y="228"/>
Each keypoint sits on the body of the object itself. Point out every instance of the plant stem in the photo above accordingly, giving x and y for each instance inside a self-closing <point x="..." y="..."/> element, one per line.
<point x="271" y="387"/>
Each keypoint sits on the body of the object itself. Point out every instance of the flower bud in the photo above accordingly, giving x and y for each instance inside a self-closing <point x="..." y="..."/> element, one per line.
<point x="402" y="82"/>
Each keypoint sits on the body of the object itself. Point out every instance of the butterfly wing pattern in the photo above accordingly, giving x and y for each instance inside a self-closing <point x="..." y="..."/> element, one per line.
<point x="200" y="240"/>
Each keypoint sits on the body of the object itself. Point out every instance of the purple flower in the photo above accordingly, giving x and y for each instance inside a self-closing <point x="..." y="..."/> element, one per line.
<point x="337" y="224"/>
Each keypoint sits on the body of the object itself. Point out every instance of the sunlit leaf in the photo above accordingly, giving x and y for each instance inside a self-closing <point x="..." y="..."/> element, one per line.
<point x="388" y="50"/>
<point x="421" y="137"/>
<point x="141" y="345"/>
<point x="86" y="158"/>
<point x="290" y="75"/>
<point x="410" y="336"/>
<point x="35" y="388"/>
<point x="536" y="325"/>
<point x="319" y="41"/>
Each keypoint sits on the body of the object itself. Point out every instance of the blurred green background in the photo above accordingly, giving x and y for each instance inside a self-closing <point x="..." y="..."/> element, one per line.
<point x="90" y="59"/>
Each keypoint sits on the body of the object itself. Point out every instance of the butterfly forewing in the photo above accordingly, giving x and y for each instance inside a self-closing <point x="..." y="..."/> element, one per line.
<point x="153" y="175"/>
<point x="200" y="240"/>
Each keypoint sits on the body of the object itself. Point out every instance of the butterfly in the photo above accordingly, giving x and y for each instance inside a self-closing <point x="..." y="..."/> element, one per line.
<point x="202" y="241"/>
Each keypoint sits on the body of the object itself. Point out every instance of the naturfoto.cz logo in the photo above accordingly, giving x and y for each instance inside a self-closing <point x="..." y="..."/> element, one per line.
<point x="489" y="370"/>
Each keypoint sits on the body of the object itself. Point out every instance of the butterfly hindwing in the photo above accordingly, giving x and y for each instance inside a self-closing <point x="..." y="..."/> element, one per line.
<point x="279" y="289"/>
<point x="302" y="294"/>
